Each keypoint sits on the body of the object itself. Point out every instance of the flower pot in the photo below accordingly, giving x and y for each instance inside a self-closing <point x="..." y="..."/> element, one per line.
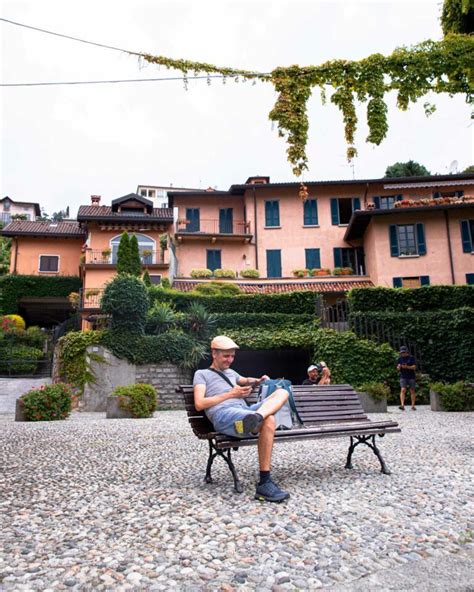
<point x="20" y="411"/>
<point x="369" y="405"/>
<point x="115" y="411"/>
<point x="435" y="401"/>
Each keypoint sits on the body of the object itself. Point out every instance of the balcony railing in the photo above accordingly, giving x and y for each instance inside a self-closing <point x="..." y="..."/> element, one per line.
<point x="103" y="257"/>
<point x="7" y="217"/>
<point x="213" y="226"/>
<point x="90" y="297"/>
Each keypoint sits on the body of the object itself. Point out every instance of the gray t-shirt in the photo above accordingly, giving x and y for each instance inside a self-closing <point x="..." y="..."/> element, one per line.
<point x="216" y="385"/>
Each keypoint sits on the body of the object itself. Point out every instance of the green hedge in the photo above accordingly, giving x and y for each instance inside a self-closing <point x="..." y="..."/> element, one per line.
<point x="238" y="320"/>
<point x="445" y="338"/>
<point x="288" y="303"/>
<point x="300" y="336"/>
<point x="13" y="287"/>
<point x="19" y="359"/>
<point x="355" y="361"/>
<point x="411" y="299"/>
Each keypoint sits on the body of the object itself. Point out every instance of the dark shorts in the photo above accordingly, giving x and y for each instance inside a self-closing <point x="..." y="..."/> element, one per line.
<point x="408" y="382"/>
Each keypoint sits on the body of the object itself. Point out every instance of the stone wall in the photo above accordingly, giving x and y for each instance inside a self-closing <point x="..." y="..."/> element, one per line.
<point x="113" y="372"/>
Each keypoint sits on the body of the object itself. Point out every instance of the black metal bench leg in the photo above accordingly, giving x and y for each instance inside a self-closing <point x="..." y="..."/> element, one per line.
<point x="228" y="459"/>
<point x="210" y="460"/>
<point x="370" y="441"/>
<point x="349" y="454"/>
<point x="377" y="453"/>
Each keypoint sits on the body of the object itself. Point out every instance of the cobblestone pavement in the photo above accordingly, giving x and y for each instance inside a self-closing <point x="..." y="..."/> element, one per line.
<point x="96" y="504"/>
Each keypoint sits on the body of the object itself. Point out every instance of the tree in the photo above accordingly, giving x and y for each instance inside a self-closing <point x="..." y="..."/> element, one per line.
<point x="123" y="254"/>
<point x="135" y="261"/>
<point x="470" y="169"/>
<point x="126" y="300"/>
<point x="458" y="17"/>
<point x="146" y="279"/>
<point x="61" y="215"/>
<point x="407" y="169"/>
<point x="5" y="248"/>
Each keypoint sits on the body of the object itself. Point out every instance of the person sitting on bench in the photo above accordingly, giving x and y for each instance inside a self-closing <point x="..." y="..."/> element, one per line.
<point x="219" y="391"/>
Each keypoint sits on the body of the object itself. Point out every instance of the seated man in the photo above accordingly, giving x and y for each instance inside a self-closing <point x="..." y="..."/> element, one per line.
<point x="318" y="374"/>
<point x="220" y="392"/>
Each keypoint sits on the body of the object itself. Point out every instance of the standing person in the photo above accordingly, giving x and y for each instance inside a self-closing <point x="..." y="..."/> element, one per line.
<point x="406" y="366"/>
<point x="220" y="392"/>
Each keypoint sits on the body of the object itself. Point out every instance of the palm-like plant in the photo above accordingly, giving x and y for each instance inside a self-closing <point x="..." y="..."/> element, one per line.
<point x="161" y="318"/>
<point x="200" y="321"/>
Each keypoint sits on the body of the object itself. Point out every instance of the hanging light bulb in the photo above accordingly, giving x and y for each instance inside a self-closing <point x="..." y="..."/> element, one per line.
<point x="303" y="192"/>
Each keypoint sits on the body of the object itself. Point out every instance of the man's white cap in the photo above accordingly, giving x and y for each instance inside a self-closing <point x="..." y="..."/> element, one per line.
<point x="223" y="342"/>
<point x="312" y="367"/>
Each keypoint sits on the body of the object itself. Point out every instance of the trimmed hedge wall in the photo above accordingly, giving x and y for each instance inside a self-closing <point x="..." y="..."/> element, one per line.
<point x="289" y="303"/>
<point x="262" y="320"/>
<point x="273" y="338"/>
<point x="410" y="299"/>
<point x="445" y="338"/>
<point x="353" y="360"/>
<point x="13" y="287"/>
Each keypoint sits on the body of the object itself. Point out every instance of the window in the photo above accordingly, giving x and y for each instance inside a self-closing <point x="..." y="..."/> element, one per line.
<point x="155" y="279"/>
<point x="310" y="213"/>
<point x="213" y="259"/>
<point x="192" y="216"/>
<point x="274" y="263"/>
<point x="146" y="247"/>
<point x="272" y="213"/>
<point x="467" y="236"/>
<point x="411" y="282"/>
<point x="6" y="205"/>
<point x="143" y="192"/>
<point x="470" y="279"/>
<point x="407" y="240"/>
<point x="226" y="220"/>
<point x="49" y="263"/>
<point x="342" y="208"/>
<point x="313" y="258"/>
<point x="386" y="202"/>
<point x="349" y="257"/>
<point x="438" y="194"/>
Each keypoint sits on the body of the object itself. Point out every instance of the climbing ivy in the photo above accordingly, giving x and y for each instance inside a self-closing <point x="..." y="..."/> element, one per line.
<point x="431" y="66"/>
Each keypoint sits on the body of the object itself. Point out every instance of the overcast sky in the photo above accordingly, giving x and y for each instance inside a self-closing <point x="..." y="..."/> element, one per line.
<point x="61" y="144"/>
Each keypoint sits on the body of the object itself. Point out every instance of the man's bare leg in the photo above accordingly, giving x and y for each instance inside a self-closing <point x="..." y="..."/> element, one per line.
<point x="402" y="397"/>
<point x="265" y="443"/>
<point x="273" y="403"/>
<point x="413" y="397"/>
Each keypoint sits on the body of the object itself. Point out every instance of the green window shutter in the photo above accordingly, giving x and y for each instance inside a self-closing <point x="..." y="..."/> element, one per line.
<point x="213" y="259"/>
<point x="399" y="198"/>
<point x="376" y="201"/>
<point x="466" y="238"/>
<point x="192" y="215"/>
<point x="274" y="263"/>
<point x="436" y="194"/>
<point x="420" y="237"/>
<point x="470" y="279"/>
<point x="459" y="193"/>
<point x="310" y="212"/>
<point x="394" y="250"/>
<point x="272" y="213"/>
<point x="355" y="204"/>
<point x="334" y="211"/>
<point x="225" y="221"/>
<point x="397" y="282"/>
<point x="425" y="280"/>
<point x="313" y="258"/>
<point x="337" y="257"/>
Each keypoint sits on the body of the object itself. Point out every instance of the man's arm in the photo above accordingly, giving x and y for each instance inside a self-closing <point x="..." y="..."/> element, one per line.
<point x="202" y="402"/>
<point x="250" y="381"/>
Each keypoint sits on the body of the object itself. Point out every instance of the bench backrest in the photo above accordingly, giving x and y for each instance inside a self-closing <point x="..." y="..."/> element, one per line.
<point x="335" y="403"/>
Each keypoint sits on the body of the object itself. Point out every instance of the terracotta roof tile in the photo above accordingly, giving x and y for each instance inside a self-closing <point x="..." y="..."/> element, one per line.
<point x="47" y="228"/>
<point x="269" y="287"/>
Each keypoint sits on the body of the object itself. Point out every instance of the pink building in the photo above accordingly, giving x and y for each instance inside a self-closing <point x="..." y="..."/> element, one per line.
<point x="348" y="227"/>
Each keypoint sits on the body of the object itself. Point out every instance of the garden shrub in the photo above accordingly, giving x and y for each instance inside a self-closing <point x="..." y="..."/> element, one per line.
<point x="201" y="273"/>
<point x="455" y="397"/>
<point x="355" y="361"/>
<point x="300" y="302"/>
<point x="74" y="366"/>
<point x="377" y="390"/>
<point x="13" y="287"/>
<point x="427" y="298"/>
<point x="160" y="318"/>
<point x="47" y="403"/>
<point x="126" y="300"/>
<point x="445" y="338"/>
<point x="300" y="337"/>
<point x="250" y="273"/>
<point x="19" y="359"/>
<point x="13" y="322"/>
<point x="139" y="399"/>
<point x="217" y="288"/>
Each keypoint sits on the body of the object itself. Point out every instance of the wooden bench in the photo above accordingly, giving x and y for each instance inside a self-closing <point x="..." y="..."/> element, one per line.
<point x="330" y="411"/>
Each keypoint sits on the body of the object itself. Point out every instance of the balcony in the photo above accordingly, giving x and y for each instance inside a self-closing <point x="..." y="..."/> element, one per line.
<point x="212" y="229"/>
<point x="96" y="258"/>
<point x="89" y="298"/>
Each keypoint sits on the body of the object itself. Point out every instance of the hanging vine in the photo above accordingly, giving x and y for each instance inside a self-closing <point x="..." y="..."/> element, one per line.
<point x="445" y="66"/>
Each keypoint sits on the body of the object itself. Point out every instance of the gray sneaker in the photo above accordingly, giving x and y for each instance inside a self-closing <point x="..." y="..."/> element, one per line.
<point x="270" y="492"/>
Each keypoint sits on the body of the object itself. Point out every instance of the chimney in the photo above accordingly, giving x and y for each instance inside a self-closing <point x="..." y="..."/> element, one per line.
<point x="95" y="200"/>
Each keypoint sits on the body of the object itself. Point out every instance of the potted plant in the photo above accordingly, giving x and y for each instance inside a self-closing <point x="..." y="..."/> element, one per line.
<point x="347" y="271"/>
<point x="49" y="402"/>
<point x="299" y="273"/>
<point x="224" y="273"/>
<point x="201" y="273"/>
<point x="373" y="397"/>
<point x="250" y="273"/>
<point x="337" y="271"/>
<point x="451" y="397"/>
<point x="92" y="292"/>
<point x="106" y="253"/>
<point x="133" y="401"/>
